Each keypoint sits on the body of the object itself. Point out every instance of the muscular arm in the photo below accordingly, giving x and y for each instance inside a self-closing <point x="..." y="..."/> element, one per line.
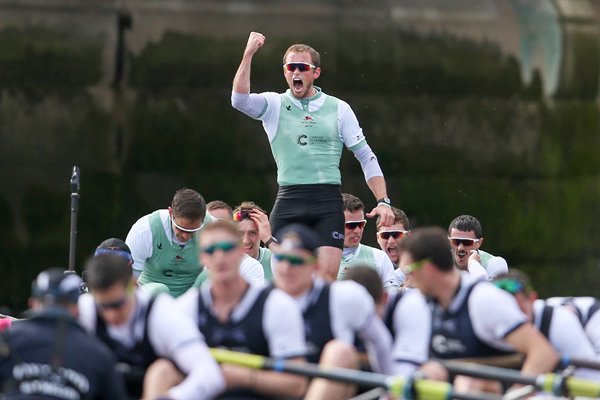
<point x="268" y="383"/>
<point x="539" y="355"/>
<point x="379" y="344"/>
<point x="377" y="186"/>
<point x="241" y="81"/>
<point x="173" y="335"/>
<point x="139" y="240"/>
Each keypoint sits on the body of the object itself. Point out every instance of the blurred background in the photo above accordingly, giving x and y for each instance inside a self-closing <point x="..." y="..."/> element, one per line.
<point x="481" y="107"/>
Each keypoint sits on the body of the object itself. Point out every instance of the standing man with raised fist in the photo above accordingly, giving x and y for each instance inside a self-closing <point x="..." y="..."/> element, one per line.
<point x="307" y="130"/>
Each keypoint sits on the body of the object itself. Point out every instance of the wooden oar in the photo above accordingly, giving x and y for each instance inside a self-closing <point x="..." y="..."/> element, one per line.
<point x="420" y="389"/>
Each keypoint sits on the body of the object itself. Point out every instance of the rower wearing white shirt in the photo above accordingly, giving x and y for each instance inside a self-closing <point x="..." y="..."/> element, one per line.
<point x="466" y="237"/>
<point x="410" y="348"/>
<point x="470" y="318"/>
<point x="335" y="314"/>
<point x="165" y="254"/>
<point x="146" y="334"/>
<point x="356" y="253"/>
<point x="233" y="314"/>
<point x="561" y="327"/>
<point x="389" y="236"/>
<point x="586" y="310"/>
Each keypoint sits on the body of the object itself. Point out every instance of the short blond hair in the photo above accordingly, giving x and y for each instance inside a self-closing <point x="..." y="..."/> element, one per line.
<point x="303" y="48"/>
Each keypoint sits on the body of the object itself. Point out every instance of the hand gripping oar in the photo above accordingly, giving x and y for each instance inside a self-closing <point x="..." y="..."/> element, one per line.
<point x="408" y="388"/>
<point x="556" y="384"/>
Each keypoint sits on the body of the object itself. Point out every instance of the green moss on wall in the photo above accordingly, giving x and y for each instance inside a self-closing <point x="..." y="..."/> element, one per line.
<point x="40" y="61"/>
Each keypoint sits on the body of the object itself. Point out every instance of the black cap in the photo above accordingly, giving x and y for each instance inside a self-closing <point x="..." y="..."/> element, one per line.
<point x="298" y="236"/>
<point x="54" y="285"/>
<point x="114" y="246"/>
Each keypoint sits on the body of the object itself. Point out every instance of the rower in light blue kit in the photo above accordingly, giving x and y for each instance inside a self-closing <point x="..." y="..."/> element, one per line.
<point x="307" y="130"/>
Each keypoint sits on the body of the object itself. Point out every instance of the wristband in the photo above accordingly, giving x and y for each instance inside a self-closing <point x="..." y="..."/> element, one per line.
<point x="385" y="201"/>
<point x="269" y="241"/>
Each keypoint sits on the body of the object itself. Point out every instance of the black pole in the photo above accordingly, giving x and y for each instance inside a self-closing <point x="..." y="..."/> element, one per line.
<point x="580" y="363"/>
<point x="74" y="210"/>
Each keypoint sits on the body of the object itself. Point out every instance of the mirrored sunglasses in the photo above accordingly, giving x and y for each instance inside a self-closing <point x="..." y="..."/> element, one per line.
<point x="457" y="241"/>
<point x="292" y="259"/>
<point x="241" y="215"/>
<point x="302" y="67"/>
<point x="352" y="225"/>
<point x="512" y="286"/>
<point x="225" y="247"/>
<point x="385" y="235"/>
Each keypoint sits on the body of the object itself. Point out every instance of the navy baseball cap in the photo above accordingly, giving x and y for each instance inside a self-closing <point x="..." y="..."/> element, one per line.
<point x="114" y="246"/>
<point x="54" y="285"/>
<point x="298" y="236"/>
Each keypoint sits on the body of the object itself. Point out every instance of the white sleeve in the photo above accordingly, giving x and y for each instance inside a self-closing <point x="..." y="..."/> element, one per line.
<point x="368" y="161"/>
<point x="87" y="313"/>
<point x="174" y="336"/>
<point x="188" y="304"/>
<point x="350" y="131"/>
<point x="476" y="270"/>
<point x="385" y="267"/>
<point x="400" y="277"/>
<point x="592" y="328"/>
<point x="262" y="106"/>
<point x="139" y="240"/>
<point x="351" y="307"/>
<point x="169" y="329"/>
<point x="204" y="379"/>
<point x="494" y="314"/>
<point x="252" y="271"/>
<point x="378" y="342"/>
<point x="573" y="341"/>
<point x="497" y="266"/>
<point x="253" y="105"/>
<point x="284" y="326"/>
<point x="412" y="324"/>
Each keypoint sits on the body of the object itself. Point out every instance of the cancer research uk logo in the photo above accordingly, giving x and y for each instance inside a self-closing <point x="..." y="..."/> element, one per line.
<point x="302" y="140"/>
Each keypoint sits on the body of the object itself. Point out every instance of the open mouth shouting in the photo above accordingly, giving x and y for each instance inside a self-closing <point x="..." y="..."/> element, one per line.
<point x="462" y="257"/>
<point x="297" y="86"/>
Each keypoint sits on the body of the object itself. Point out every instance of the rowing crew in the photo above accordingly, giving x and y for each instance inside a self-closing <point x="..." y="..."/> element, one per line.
<point x="162" y="343"/>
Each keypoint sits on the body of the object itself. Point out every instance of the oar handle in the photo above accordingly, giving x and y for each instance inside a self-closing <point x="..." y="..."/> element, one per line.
<point x="583" y="387"/>
<point x="238" y="358"/>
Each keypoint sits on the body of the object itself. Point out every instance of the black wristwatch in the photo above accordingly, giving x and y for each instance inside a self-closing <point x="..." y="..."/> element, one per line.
<point x="385" y="200"/>
<point x="269" y="241"/>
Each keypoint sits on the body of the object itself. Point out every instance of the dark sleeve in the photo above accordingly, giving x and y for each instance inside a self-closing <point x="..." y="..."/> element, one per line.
<point x="113" y="384"/>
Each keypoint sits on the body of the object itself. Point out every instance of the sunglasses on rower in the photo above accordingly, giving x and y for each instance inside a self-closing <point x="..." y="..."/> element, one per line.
<point x="385" y="235"/>
<point x="292" y="259"/>
<point x="118" y="303"/>
<point x="225" y="247"/>
<point x="352" y="225"/>
<point x="300" y="66"/>
<point x="410" y="268"/>
<point x="186" y="230"/>
<point x="512" y="286"/>
<point x="456" y="241"/>
<point x="241" y="215"/>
